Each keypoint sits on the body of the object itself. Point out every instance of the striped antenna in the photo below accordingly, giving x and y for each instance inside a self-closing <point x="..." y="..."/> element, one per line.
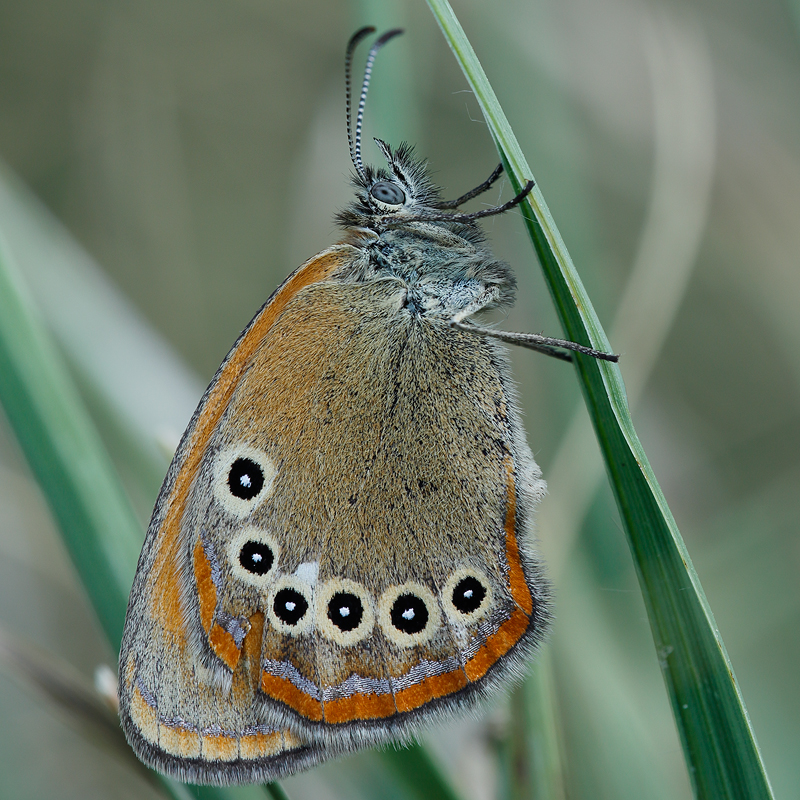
<point x="348" y="72"/>
<point x="356" y="150"/>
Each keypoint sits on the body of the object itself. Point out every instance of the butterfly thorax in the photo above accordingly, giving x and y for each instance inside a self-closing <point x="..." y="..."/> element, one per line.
<point x="443" y="266"/>
<point x="439" y="273"/>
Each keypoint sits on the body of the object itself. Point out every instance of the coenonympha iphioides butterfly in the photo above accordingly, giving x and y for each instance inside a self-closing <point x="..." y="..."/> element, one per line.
<point x="341" y="550"/>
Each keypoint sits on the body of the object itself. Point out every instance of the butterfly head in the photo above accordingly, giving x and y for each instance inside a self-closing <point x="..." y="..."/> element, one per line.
<point x="385" y="197"/>
<point x="401" y="194"/>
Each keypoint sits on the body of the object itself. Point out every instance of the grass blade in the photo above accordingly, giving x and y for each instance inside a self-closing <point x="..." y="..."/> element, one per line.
<point x="531" y="755"/>
<point x="66" y="455"/>
<point x="419" y="774"/>
<point x="719" y="744"/>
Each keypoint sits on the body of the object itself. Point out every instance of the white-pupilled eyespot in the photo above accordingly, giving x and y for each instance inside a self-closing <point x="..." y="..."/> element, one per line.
<point x="242" y="478"/>
<point x="253" y="555"/>
<point x="408" y="614"/>
<point x="344" y="611"/>
<point x="467" y="595"/>
<point x="290" y="605"/>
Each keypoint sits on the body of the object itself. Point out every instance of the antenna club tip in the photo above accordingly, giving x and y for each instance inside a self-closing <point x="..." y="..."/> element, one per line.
<point x="359" y="35"/>
<point x="385" y="37"/>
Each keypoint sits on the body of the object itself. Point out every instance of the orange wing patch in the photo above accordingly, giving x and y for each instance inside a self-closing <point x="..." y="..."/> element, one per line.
<point x="284" y="690"/>
<point x="259" y="745"/>
<point x="429" y="689"/>
<point x="497" y="645"/>
<point x="224" y="645"/>
<point x="360" y="706"/>
<point x="206" y="591"/>
<point x="221" y="641"/>
<point x="516" y="577"/>
<point x="180" y="741"/>
<point x="220" y="747"/>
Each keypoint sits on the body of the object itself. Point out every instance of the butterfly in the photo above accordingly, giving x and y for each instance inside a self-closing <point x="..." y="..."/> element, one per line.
<point x="342" y="548"/>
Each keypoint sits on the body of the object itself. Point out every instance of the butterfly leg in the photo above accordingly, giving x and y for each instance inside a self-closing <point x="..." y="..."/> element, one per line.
<point x="533" y="341"/>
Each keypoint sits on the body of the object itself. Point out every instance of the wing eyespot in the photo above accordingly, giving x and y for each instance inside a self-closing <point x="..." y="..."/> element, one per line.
<point x="467" y="596"/>
<point x="290" y="604"/>
<point x="243" y="478"/>
<point x="344" y="612"/>
<point x="256" y="557"/>
<point x="253" y="555"/>
<point x="409" y="614"/>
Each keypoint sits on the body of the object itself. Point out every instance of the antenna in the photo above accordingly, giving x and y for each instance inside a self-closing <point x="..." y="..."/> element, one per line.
<point x="348" y="70"/>
<point x="355" y="149"/>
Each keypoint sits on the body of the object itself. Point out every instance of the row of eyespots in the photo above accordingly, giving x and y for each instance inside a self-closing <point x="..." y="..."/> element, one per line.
<point x="408" y="614"/>
<point x="343" y="610"/>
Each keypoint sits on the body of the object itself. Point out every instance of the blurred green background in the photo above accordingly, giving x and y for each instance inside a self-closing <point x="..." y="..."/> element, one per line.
<point x="195" y="153"/>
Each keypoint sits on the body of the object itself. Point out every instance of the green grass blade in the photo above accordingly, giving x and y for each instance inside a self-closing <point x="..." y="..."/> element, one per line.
<point x="418" y="773"/>
<point x="68" y="459"/>
<point x="66" y="455"/>
<point x="532" y="763"/>
<point x="276" y="791"/>
<point x="116" y="372"/>
<point x="719" y="744"/>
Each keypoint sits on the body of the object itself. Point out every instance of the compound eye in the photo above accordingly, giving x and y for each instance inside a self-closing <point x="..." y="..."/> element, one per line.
<point x="389" y="194"/>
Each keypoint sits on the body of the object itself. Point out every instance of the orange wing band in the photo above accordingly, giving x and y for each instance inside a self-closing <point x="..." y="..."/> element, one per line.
<point x="285" y="691"/>
<point x="206" y="591"/>
<point x="429" y="689"/>
<point x="360" y="706"/>
<point x="516" y="577"/>
<point x="222" y="643"/>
